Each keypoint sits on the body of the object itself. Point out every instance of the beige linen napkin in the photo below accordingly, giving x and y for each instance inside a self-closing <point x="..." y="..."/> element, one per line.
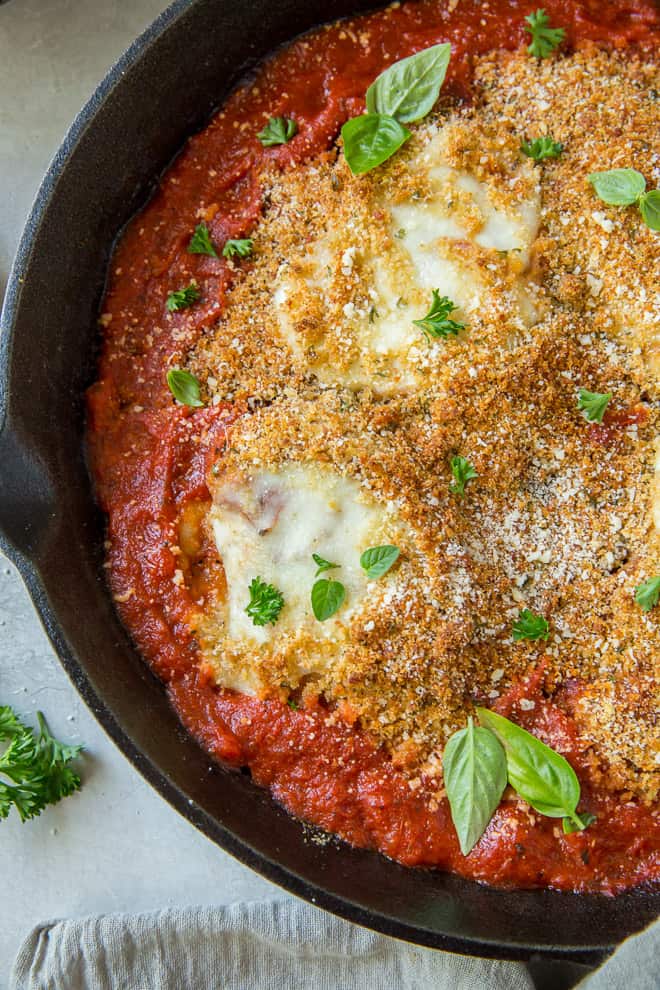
<point x="283" y="945"/>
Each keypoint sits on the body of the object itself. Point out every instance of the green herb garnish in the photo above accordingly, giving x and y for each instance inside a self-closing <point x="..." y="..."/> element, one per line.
<point x="475" y="775"/>
<point x="593" y="404"/>
<point x="618" y="187"/>
<point x="541" y="148"/>
<point x="649" y="207"/>
<point x="544" y="38"/>
<point x="463" y="471"/>
<point x="537" y="773"/>
<point x="327" y="598"/>
<point x="404" y="92"/>
<point x="34" y="770"/>
<point x="377" y="561"/>
<point x="278" y="130"/>
<point x="265" y="604"/>
<point x="409" y="89"/>
<point x="184" y="387"/>
<point x="530" y="626"/>
<point x="436" y="323"/>
<point x="201" y="243"/>
<point x="241" y="248"/>
<point x="183" y="298"/>
<point x="625" y="186"/>
<point x="647" y="594"/>
<point x="370" y="140"/>
<point x="322" y="564"/>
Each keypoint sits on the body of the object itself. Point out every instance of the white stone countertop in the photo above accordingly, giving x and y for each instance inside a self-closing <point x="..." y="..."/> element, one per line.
<point x="116" y="846"/>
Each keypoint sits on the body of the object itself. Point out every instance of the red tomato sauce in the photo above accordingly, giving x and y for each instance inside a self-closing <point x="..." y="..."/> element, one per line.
<point x="149" y="459"/>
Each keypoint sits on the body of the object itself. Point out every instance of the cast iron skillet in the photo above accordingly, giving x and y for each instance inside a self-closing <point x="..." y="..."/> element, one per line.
<point x="163" y="89"/>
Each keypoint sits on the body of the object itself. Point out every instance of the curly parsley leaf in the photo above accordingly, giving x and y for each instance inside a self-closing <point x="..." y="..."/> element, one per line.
<point x="463" y="471"/>
<point x="266" y="603"/>
<point x="201" y="243"/>
<point x="647" y="594"/>
<point x="34" y="770"/>
<point x="544" y="38"/>
<point x="238" y="248"/>
<point x="436" y="323"/>
<point x="408" y="89"/>
<point x="593" y="404"/>
<point x="183" y="298"/>
<point x="536" y="772"/>
<point x="327" y="598"/>
<point x="649" y="207"/>
<point x="370" y="140"/>
<point x="278" y="130"/>
<point x="184" y="387"/>
<point x="377" y="561"/>
<point x="322" y="564"/>
<point x="619" y="186"/>
<point x="475" y="775"/>
<point x="530" y="626"/>
<point x="542" y="147"/>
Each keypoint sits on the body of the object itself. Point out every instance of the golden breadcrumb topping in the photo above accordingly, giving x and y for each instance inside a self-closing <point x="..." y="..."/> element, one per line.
<point x="556" y="292"/>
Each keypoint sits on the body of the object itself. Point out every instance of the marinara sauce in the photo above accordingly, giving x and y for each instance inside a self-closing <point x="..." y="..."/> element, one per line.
<point x="149" y="460"/>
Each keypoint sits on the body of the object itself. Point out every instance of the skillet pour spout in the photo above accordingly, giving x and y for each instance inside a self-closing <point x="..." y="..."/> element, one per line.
<point x="160" y="92"/>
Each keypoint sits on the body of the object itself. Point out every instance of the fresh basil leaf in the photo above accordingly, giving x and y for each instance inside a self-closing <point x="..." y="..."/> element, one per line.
<point x="647" y="594"/>
<point x="327" y="598"/>
<point x="578" y="824"/>
<point x="322" y="564"/>
<point x="377" y="561"/>
<point x="474" y="766"/>
<point x="370" y="140"/>
<point x="540" y="776"/>
<point x="408" y="90"/>
<point x="649" y="207"/>
<point x="618" y="187"/>
<point x="184" y="387"/>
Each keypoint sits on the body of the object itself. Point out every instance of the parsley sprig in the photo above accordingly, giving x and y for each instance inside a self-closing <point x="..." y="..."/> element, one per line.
<point x="463" y="471"/>
<point x="436" y="324"/>
<point x="529" y="625"/>
<point x="593" y="404"/>
<point x="266" y="603"/>
<point x="238" y="248"/>
<point x="183" y="298"/>
<point x="541" y="148"/>
<point x="34" y="769"/>
<point x="278" y="130"/>
<point x="201" y="243"/>
<point x="544" y="38"/>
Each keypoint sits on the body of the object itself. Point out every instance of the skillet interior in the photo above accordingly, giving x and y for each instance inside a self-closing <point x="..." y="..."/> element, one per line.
<point x="187" y="62"/>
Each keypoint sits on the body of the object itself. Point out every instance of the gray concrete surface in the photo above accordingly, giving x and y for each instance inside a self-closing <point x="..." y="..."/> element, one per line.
<point x="116" y="846"/>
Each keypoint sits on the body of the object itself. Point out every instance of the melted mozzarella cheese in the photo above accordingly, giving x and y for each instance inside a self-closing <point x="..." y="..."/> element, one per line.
<point x="269" y="525"/>
<point x="347" y="307"/>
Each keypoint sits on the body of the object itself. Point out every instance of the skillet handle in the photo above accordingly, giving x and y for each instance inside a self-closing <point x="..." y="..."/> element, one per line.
<point x="559" y="974"/>
<point x="26" y="494"/>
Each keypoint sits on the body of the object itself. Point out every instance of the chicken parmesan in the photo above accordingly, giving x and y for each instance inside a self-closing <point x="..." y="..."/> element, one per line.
<point x="376" y="432"/>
